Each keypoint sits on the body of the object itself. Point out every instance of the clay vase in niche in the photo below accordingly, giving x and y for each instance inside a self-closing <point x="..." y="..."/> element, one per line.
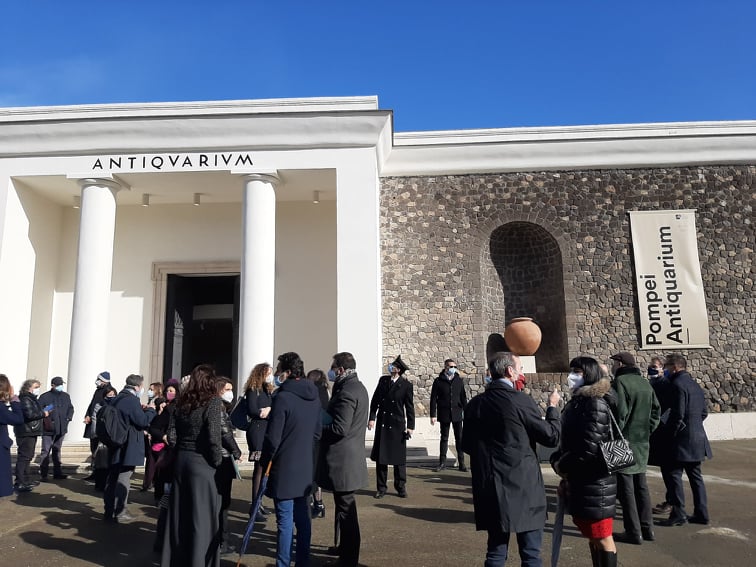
<point x="523" y="336"/>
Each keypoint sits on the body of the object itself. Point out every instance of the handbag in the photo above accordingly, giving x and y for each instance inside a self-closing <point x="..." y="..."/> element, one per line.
<point x="47" y="424"/>
<point x="617" y="453"/>
<point x="238" y="416"/>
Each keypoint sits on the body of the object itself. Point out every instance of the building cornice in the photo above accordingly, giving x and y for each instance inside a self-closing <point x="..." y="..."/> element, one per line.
<point x="614" y="146"/>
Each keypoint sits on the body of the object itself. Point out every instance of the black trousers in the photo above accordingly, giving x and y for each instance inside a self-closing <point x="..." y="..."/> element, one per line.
<point x="632" y="490"/>
<point x="25" y="454"/>
<point x="457" y="426"/>
<point x="692" y="470"/>
<point x="400" y="477"/>
<point x="348" y="526"/>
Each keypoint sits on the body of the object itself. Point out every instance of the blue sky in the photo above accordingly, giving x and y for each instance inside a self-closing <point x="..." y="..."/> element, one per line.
<point x="438" y="65"/>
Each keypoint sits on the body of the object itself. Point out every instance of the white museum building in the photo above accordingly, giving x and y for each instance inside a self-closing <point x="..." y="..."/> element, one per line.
<point x="147" y="238"/>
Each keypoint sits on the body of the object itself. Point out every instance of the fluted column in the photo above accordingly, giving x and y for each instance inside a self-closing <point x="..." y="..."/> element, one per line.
<point x="257" y="297"/>
<point x="94" y="267"/>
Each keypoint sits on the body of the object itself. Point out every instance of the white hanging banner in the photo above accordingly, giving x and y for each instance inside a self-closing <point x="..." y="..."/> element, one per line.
<point x="668" y="278"/>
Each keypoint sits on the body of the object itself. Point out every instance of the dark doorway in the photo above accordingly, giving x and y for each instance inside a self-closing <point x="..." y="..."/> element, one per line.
<point x="201" y="324"/>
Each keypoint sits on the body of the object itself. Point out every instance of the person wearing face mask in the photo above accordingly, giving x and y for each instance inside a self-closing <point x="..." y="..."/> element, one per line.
<point x="658" y="454"/>
<point x="101" y="383"/>
<point x="393" y="407"/>
<point x="61" y="414"/>
<point x="591" y="491"/>
<point x="10" y="414"/>
<point x="294" y="424"/>
<point x="27" y="433"/>
<point x="258" y="394"/>
<point x="447" y="401"/>
<point x="502" y="427"/>
<point x="341" y="464"/>
<point x="226" y="472"/>
<point x="124" y="459"/>
<point x="153" y="392"/>
<point x="686" y="444"/>
<point x="637" y="416"/>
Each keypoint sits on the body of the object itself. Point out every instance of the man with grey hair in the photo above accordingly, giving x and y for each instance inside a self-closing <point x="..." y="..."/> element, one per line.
<point x="125" y="458"/>
<point x="501" y="429"/>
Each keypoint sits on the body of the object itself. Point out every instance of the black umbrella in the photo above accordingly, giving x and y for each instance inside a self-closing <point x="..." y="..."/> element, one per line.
<point x="253" y="513"/>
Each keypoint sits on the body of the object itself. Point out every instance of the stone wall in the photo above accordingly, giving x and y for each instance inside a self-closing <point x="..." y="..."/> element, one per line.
<point x="442" y="291"/>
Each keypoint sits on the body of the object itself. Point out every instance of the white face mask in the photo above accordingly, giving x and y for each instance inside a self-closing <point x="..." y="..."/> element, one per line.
<point x="269" y="379"/>
<point x="228" y="396"/>
<point x="574" y="380"/>
<point x="36" y="391"/>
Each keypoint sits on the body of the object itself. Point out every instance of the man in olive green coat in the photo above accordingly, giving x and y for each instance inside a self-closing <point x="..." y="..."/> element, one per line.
<point x="637" y="415"/>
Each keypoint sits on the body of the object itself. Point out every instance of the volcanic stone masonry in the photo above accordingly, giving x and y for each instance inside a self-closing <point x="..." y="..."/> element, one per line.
<point x="559" y="244"/>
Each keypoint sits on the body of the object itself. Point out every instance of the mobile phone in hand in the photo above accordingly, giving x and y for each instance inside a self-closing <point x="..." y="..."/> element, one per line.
<point x="49" y="407"/>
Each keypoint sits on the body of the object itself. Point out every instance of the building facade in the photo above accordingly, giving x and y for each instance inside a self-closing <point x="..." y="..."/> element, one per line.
<point x="149" y="238"/>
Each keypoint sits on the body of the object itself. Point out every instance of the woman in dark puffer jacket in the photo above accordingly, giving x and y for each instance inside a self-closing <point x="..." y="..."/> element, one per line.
<point x="590" y="490"/>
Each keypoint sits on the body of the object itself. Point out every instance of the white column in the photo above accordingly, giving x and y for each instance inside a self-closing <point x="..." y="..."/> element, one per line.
<point x="257" y="297"/>
<point x="94" y="266"/>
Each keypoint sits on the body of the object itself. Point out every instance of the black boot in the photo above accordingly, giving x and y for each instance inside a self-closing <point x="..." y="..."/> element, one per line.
<point x="594" y="556"/>
<point x="607" y="558"/>
<point x="461" y="461"/>
<point x="442" y="457"/>
<point x="318" y="509"/>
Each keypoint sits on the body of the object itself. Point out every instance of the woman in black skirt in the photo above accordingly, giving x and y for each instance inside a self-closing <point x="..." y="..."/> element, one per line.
<point x="195" y="432"/>
<point x="258" y="390"/>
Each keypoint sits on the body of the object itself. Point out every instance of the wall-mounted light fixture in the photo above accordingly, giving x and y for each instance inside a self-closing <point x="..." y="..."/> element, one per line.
<point x="316" y="197"/>
<point x="77" y="202"/>
<point x="145" y="199"/>
<point x="196" y="201"/>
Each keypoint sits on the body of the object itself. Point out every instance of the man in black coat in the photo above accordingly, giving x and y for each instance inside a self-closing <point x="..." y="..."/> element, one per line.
<point x="393" y="407"/>
<point x="447" y="401"/>
<point x="294" y="424"/>
<point x="341" y="466"/>
<point x="101" y="382"/>
<point x="60" y="414"/>
<point x="126" y="458"/>
<point x="502" y="427"/>
<point x="688" y="444"/>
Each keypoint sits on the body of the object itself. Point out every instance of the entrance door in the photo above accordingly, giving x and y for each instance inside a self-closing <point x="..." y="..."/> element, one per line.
<point x="201" y="327"/>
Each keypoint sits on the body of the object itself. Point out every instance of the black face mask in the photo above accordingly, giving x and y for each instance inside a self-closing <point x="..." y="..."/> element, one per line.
<point x="652" y="371"/>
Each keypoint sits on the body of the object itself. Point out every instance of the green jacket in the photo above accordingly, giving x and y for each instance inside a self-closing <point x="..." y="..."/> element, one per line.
<point x="638" y="413"/>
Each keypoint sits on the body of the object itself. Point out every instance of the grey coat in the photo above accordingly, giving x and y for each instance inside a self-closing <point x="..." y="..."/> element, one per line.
<point x="341" y="463"/>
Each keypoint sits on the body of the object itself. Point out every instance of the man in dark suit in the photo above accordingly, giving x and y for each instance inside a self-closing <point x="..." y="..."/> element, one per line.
<point x="341" y="466"/>
<point x="124" y="459"/>
<point x="447" y="401"/>
<point x="688" y="444"/>
<point x="393" y="409"/>
<point x="502" y="427"/>
<point x="55" y="428"/>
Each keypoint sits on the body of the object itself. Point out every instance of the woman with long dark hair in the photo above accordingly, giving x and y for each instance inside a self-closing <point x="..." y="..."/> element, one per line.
<point x="10" y="414"/>
<point x="195" y="432"/>
<point x="258" y="391"/>
<point x="590" y="490"/>
<point x="321" y="382"/>
<point x="226" y="473"/>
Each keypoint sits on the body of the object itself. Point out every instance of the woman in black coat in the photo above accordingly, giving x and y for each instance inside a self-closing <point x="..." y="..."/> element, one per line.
<point x="226" y="473"/>
<point x="590" y="490"/>
<point x="10" y="414"/>
<point x="258" y="391"/>
<point x="195" y="432"/>
<point x="320" y="379"/>
<point x="27" y="432"/>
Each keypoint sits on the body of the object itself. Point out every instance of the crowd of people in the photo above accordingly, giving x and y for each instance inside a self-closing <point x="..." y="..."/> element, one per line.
<point x="184" y="436"/>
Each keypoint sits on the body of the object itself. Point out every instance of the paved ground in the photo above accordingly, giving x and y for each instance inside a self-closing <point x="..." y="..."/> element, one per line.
<point x="58" y="525"/>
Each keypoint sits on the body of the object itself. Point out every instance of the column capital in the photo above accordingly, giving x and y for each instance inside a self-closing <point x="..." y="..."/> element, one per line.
<point x="99" y="182"/>
<point x="268" y="176"/>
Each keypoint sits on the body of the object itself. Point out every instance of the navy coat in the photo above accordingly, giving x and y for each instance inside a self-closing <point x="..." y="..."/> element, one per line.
<point x="448" y="398"/>
<point x="294" y="425"/>
<point x="62" y="412"/>
<point x="393" y="405"/>
<point x="684" y="428"/>
<point x="256" y="400"/>
<point x="500" y="433"/>
<point x="137" y="419"/>
<point x="10" y="414"/>
<point x="341" y="463"/>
